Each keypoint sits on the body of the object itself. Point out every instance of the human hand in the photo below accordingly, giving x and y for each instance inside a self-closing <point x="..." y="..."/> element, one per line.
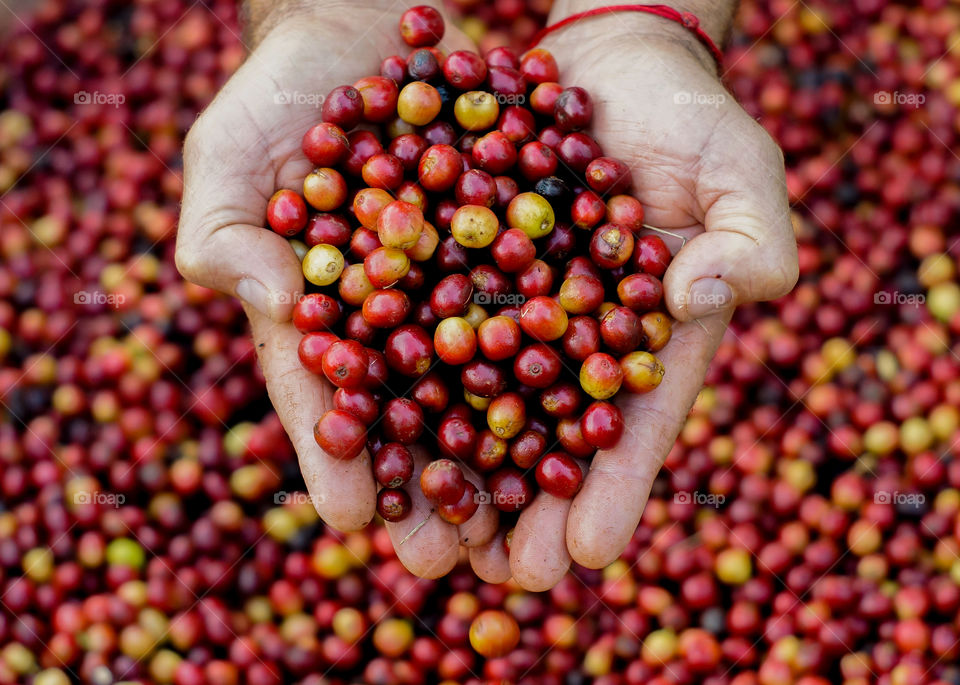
<point x="704" y="170"/>
<point x="243" y="147"/>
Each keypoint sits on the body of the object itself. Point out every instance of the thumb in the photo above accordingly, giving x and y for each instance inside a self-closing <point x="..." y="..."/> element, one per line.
<point x="221" y="242"/>
<point x="748" y="253"/>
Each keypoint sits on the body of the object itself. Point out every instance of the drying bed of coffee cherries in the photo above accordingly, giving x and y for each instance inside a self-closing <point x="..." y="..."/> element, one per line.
<point x="498" y="336"/>
<point x="829" y="423"/>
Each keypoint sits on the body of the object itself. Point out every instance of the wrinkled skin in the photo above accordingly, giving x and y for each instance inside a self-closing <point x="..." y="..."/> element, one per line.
<point x="694" y="166"/>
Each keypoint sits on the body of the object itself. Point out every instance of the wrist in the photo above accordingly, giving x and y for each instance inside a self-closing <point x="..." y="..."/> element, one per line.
<point x="716" y="16"/>
<point x="630" y="29"/>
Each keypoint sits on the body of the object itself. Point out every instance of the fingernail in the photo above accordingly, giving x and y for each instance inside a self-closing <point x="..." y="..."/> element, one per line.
<point x="708" y="296"/>
<point x="255" y="294"/>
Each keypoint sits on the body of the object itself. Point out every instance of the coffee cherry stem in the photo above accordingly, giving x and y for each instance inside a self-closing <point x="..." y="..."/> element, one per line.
<point x="416" y="528"/>
<point x="683" y="240"/>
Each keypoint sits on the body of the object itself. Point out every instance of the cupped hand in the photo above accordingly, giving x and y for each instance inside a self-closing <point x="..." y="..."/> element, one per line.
<point x="707" y="173"/>
<point x="242" y="148"/>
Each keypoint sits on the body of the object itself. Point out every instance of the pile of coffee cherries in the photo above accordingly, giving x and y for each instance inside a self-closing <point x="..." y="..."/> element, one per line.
<point x="505" y="326"/>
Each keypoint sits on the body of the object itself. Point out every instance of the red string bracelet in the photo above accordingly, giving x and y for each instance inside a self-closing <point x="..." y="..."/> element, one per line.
<point x="686" y="19"/>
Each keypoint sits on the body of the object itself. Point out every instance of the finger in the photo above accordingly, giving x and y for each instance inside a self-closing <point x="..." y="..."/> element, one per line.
<point x="343" y="492"/>
<point x="489" y="561"/>
<point x="538" y="550"/>
<point x="605" y="513"/>
<point x="482" y="526"/>
<point x="748" y="252"/>
<point x="426" y="545"/>
<point x="221" y="240"/>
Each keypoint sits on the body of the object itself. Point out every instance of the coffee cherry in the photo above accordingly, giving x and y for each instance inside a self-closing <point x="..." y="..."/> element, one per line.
<point x="532" y="214"/>
<point x="379" y="98"/>
<point x="393" y="465"/>
<point x="464" y="70"/>
<point x="358" y="401"/>
<point x="423" y="64"/>
<point x="476" y="110"/>
<point x="332" y="229"/>
<point x="642" y="372"/>
<point x="474" y="226"/>
<point x="611" y="246"/>
<point x="456" y="438"/>
<point x="543" y="319"/>
<point x="461" y="511"/>
<point x="559" y="475"/>
<point x="537" y="365"/>
<point x="383" y="171"/>
<point x="311" y="349"/>
<point x="439" y="168"/>
<point x="621" y="330"/>
<point x="499" y="338"/>
<point x="581" y="294"/>
<point x="455" y="340"/>
<point x="367" y="205"/>
<point x="354" y="286"/>
<point x="343" y="107"/>
<point x="544" y="97"/>
<point x="640" y="292"/>
<point x="325" y="144"/>
<point x="340" y="434"/>
<point x="494" y="634"/>
<point x="442" y="482"/>
<point x="494" y="153"/>
<point x="625" y="211"/>
<point x="600" y="376"/>
<point x="560" y="400"/>
<point x="656" y="330"/>
<point x="394" y="68"/>
<point x="539" y="66"/>
<point x="402" y="421"/>
<point x="323" y="264"/>
<point x="526" y="448"/>
<point x="345" y="364"/>
<point x="587" y="210"/>
<point x="573" y="109"/>
<point x="393" y="504"/>
<point x="509" y="489"/>
<point x="409" y="350"/>
<point x="506" y="415"/>
<point x="399" y="225"/>
<point x="418" y="103"/>
<point x="421" y="26"/>
<point x="607" y="176"/>
<point x="315" y="312"/>
<point x="385" y="266"/>
<point x="385" y="308"/>
<point x="325" y="189"/>
<point x="602" y="425"/>
<point x="651" y="255"/>
<point x="286" y="213"/>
